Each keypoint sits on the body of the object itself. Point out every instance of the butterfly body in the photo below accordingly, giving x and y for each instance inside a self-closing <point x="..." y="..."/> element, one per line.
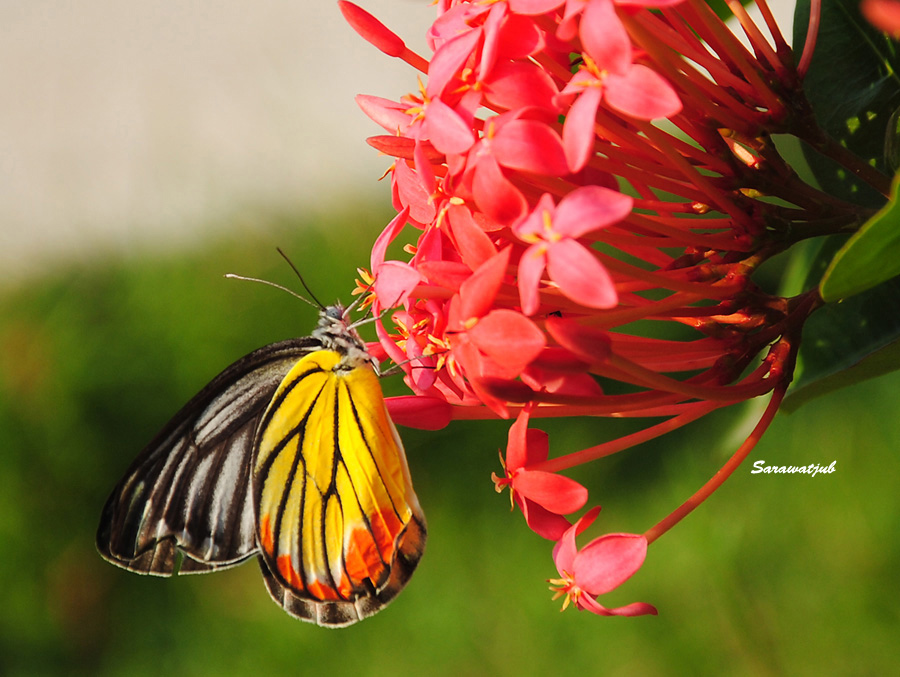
<point x="289" y="454"/>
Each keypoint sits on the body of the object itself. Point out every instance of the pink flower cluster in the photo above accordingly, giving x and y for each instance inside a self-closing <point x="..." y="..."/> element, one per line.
<point x="572" y="168"/>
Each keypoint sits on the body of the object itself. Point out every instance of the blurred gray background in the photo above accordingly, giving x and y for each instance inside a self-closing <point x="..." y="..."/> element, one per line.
<point x="130" y="124"/>
<point x="126" y="125"/>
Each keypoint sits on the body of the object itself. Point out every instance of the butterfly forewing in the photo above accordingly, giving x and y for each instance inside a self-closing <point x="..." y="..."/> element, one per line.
<point x="189" y="489"/>
<point x="340" y="527"/>
<point x="288" y="453"/>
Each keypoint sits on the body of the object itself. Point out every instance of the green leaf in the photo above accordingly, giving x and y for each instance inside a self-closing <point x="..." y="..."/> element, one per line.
<point x="853" y="87"/>
<point x="848" y="342"/>
<point x="870" y="257"/>
<point x="844" y="342"/>
<point x="722" y="10"/>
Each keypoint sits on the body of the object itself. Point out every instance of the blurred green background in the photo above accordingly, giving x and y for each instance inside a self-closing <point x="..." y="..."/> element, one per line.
<point x="774" y="575"/>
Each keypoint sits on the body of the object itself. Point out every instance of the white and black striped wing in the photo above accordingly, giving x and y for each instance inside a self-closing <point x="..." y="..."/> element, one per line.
<point x="189" y="489"/>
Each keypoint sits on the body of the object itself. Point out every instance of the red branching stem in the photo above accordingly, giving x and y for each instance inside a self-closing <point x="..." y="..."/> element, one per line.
<point x="727" y="46"/>
<point x="812" y="35"/>
<point x="679" y="236"/>
<point x="703" y="97"/>
<point x="757" y="40"/>
<point x="724" y="473"/>
<point x="627" y="371"/>
<point x="716" y="197"/>
<point x="696" y="411"/>
<point x="781" y="45"/>
<point x="829" y="147"/>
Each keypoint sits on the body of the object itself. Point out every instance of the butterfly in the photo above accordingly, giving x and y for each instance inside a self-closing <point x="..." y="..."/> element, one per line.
<point x="290" y="455"/>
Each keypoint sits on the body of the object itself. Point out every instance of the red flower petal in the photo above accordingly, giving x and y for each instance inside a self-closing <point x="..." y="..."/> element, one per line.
<point x="590" y="208"/>
<point x="580" y="276"/>
<point x="449" y="60"/>
<point x="558" y="494"/>
<point x="510" y="390"/>
<point x="883" y="14"/>
<point x="586" y="343"/>
<point x="509" y="338"/>
<point x="531" y="267"/>
<point x="472" y="243"/>
<point x="530" y="146"/>
<point x="477" y="294"/>
<point x="604" y="37"/>
<point x="565" y="550"/>
<point x="578" y="129"/>
<point x="607" y="562"/>
<point x="518" y="84"/>
<point x="403" y="147"/>
<point x="447" y="274"/>
<point x="389" y="114"/>
<point x="495" y="195"/>
<point x="424" y="168"/>
<point x="519" y="37"/>
<point x="394" y="282"/>
<point x="541" y="521"/>
<point x="516" y="442"/>
<point x="641" y="93"/>
<point x="533" y="224"/>
<point x="537" y="445"/>
<point x="533" y="6"/>
<point x="588" y="603"/>
<point x="387" y="236"/>
<point x="446" y="130"/>
<point x="412" y="193"/>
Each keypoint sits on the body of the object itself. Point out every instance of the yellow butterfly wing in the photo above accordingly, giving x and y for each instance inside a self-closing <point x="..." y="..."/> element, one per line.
<point x="339" y="526"/>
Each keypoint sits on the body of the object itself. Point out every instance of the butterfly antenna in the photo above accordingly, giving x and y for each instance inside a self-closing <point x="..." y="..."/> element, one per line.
<point x="232" y="276"/>
<point x="300" y="277"/>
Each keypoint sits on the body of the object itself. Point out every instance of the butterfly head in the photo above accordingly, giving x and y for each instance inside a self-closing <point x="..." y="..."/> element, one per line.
<point x="335" y="332"/>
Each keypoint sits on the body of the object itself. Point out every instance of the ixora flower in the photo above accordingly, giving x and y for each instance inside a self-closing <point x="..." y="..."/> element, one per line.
<point x="569" y="172"/>
<point x="600" y="566"/>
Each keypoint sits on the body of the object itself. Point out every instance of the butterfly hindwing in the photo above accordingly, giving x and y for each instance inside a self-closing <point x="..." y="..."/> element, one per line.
<point x="189" y="489"/>
<point x="340" y="527"/>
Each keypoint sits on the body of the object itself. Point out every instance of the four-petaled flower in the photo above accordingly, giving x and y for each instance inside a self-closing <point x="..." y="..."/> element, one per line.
<point x="597" y="568"/>
<point x="552" y="233"/>
<point x="543" y="497"/>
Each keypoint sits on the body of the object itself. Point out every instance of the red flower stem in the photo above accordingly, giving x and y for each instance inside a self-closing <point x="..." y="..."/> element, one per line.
<point x="760" y="45"/>
<point x="653" y="309"/>
<point x="551" y="66"/>
<point x="670" y="356"/>
<point x="781" y="46"/>
<point x="627" y="163"/>
<point x="415" y="60"/>
<point x="682" y="236"/>
<point x="725" y="472"/>
<point x="620" y="143"/>
<point x="699" y="95"/>
<point x="823" y="143"/>
<point x="710" y="27"/>
<point x="641" y="405"/>
<point x="630" y="372"/>
<point x="679" y="37"/>
<point x="653" y="280"/>
<point x="699" y="410"/>
<point x="812" y="34"/>
<point x="715" y="195"/>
